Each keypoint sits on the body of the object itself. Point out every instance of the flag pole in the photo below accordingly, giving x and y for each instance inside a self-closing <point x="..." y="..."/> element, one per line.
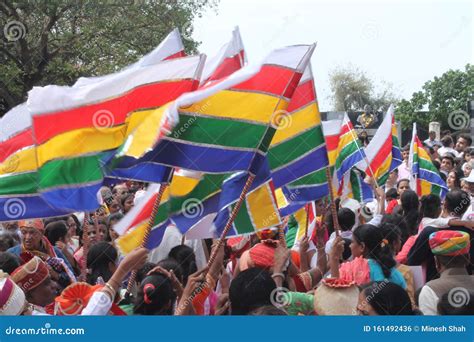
<point x="146" y="235"/>
<point x="307" y="219"/>
<point x="85" y="246"/>
<point x="332" y="204"/>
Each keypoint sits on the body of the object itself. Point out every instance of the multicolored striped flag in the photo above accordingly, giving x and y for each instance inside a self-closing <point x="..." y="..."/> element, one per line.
<point x="332" y="129"/>
<point x="92" y="120"/>
<point x="305" y="221"/>
<point x="349" y="151"/>
<point x="298" y="156"/>
<point x="230" y="58"/>
<point x="425" y="176"/>
<point x="216" y="194"/>
<point x="355" y="187"/>
<point x="19" y="197"/>
<point x="383" y="152"/>
<point x="224" y="127"/>
<point x="200" y="205"/>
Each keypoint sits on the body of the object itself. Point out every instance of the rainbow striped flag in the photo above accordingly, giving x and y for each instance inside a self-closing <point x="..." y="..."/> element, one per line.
<point x="224" y="127"/>
<point x="356" y="188"/>
<point x="229" y="59"/>
<point x="349" y="151"/>
<point x="425" y="176"/>
<point x="19" y="197"/>
<point x="298" y="156"/>
<point x="302" y="220"/>
<point x="332" y="129"/>
<point x="199" y="206"/>
<point x="216" y="194"/>
<point x="383" y="151"/>
<point x="92" y="120"/>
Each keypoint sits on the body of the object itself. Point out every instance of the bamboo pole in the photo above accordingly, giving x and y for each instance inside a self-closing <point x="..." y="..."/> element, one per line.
<point x="146" y="236"/>
<point x="332" y="204"/>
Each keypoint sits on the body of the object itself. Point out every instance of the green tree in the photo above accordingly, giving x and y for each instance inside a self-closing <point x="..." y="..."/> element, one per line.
<point x="441" y="96"/>
<point x="57" y="41"/>
<point x="352" y="89"/>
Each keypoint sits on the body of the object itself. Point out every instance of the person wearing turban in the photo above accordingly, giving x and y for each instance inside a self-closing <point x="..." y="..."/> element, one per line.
<point x="34" y="243"/>
<point x="451" y="251"/>
<point x="35" y="281"/>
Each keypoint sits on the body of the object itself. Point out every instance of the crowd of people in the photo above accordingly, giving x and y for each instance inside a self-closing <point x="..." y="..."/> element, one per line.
<point x="400" y="255"/>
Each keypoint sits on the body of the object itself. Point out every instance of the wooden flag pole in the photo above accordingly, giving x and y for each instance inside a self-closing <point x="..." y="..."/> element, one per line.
<point x="307" y="220"/>
<point x="332" y="204"/>
<point x="85" y="246"/>
<point x="180" y="308"/>
<point x="146" y="236"/>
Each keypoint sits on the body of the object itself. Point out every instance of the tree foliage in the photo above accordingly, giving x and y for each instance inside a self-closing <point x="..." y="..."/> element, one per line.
<point x="57" y="41"/>
<point x="442" y="95"/>
<point x="352" y="89"/>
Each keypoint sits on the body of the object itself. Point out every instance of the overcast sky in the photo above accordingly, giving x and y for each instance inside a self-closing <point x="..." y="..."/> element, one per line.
<point x="403" y="42"/>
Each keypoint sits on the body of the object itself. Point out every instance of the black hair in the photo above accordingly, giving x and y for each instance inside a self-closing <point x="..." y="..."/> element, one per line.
<point x="251" y="289"/>
<point x="448" y="156"/>
<point x="55" y="231"/>
<point x="456" y="261"/>
<point x="346" y="219"/>
<point x="410" y="204"/>
<point x="392" y="233"/>
<point x="124" y="198"/>
<point x="184" y="255"/>
<point x="7" y="241"/>
<point x="466" y="137"/>
<point x="114" y="217"/>
<point x="9" y="262"/>
<point x="447" y="305"/>
<point x="155" y="296"/>
<point x="347" y="253"/>
<point x="457" y="202"/>
<point x="142" y="272"/>
<point x="403" y="180"/>
<point x="387" y="298"/>
<point x="78" y="231"/>
<point x="372" y="237"/>
<point x="436" y="164"/>
<point x="98" y="259"/>
<point x="397" y="220"/>
<point x="447" y="140"/>
<point x="430" y="206"/>
<point x="170" y="264"/>
<point x="391" y="194"/>
<point x="458" y="174"/>
<point x="268" y="310"/>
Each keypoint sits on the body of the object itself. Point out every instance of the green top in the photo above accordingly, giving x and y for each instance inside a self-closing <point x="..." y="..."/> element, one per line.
<point x="292" y="231"/>
<point x="298" y="303"/>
